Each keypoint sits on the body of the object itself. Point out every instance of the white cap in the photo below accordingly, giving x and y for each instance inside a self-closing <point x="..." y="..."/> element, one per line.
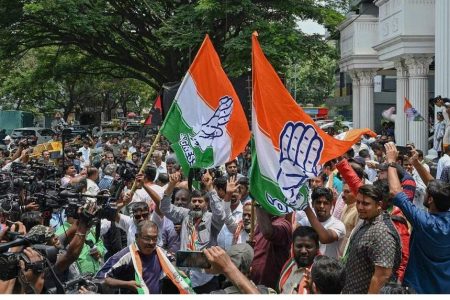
<point x="432" y="154"/>
<point x="7" y="138"/>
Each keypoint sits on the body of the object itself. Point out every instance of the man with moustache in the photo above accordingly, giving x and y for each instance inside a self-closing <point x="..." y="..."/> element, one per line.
<point x="233" y="209"/>
<point x="199" y="227"/>
<point x="238" y="221"/>
<point x="140" y="267"/>
<point x="305" y="248"/>
<point x="373" y="254"/>
<point x="349" y="216"/>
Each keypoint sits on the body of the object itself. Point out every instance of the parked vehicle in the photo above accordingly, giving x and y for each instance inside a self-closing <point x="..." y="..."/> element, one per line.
<point x="42" y="135"/>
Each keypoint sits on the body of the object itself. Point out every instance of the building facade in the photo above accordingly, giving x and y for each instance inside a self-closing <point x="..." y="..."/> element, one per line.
<point x="403" y="40"/>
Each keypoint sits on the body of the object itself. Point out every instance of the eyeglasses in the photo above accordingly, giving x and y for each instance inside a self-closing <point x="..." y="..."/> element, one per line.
<point x="149" y="238"/>
<point x="143" y="216"/>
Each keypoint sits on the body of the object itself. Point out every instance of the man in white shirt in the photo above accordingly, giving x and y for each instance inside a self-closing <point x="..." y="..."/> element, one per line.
<point x="8" y="142"/>
<point x="160" y="165"/>
<point x="85" y="154"/>
<point x="443" y="162"/>
<point x="329" y="229"/>
<point x="92" y="176"/>
<point x="235" y="209"/>
<point x="141" y="195"/>
<point x="419" y="195"/>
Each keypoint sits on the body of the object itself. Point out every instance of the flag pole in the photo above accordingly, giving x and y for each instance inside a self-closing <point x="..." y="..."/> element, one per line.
<point x="147" y="159"/>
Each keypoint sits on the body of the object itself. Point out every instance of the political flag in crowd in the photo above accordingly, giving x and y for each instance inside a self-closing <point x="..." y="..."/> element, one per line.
<point x="155" y="115"/>
<point x="289" y="148"/>
<point x="411" y="113"/>
<point x="206" y="124"/>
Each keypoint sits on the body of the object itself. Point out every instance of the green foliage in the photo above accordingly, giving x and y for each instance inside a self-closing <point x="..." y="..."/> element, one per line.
<point x="63" y="52"/>
<point x="314" y="79"/>
<point x="51" y="78"/>
<point x="155" y="41"/>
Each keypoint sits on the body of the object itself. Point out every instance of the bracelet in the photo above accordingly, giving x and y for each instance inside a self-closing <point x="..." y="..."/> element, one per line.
<point x="80" y="234"/>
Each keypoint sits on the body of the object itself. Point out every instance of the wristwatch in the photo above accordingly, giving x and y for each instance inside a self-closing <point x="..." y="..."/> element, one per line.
<point x="392" y="164"/>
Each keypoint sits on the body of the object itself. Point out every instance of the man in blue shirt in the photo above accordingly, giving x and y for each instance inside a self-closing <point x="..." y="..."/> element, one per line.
<point x="428" y="269"/>
<point x="120" y="270"/>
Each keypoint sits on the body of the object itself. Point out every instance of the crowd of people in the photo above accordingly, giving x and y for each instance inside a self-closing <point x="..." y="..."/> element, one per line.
<point x="377" y="221"/>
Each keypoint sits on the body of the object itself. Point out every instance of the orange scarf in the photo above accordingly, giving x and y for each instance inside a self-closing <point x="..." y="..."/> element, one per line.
<point x="286" y="272"/>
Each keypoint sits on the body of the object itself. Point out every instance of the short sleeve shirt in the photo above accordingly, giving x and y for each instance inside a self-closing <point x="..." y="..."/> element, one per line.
<point x="374" y="243"/>
<point x="331" y="249"/>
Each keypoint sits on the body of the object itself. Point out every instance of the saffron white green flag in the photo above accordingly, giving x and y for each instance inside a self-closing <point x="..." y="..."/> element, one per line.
<point x="206" y="124"/>
<point x="289" y="148"/>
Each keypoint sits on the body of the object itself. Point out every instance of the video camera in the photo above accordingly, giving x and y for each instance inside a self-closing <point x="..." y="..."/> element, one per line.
<point x="10" y="262"/>
<point x="75" y="201"/>
<point x="73" y="286"/>
<point x="126" y="170"/>
<point x="10" y="205"/>
<point x="215" y="173"/>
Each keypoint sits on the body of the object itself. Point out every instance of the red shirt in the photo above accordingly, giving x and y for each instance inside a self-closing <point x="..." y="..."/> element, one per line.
<point x="271" y="254"/>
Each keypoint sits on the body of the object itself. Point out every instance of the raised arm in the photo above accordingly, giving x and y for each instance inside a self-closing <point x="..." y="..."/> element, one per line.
<point x="230" y="221"/>
<point x="221" y="264"/>
<point x="326" y="236"/>
<point x="77" y="242"/>
<point x="264" y="222"/>
<point x="349" y="175"/>
<point x="152" y="193"/>
<point x="172" y="212"/>
<point x="215" y="202"/>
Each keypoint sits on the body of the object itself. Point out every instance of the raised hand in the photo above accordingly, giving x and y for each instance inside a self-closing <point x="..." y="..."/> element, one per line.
<point x="207" y="180"/>
<point x="174" y="179"/>
<point x="232" y="185"/>
<point x="300" y="151"/>
<point x="218" y="259"/>
<point x="391" y="152"/>
<point x="139" y="180"/>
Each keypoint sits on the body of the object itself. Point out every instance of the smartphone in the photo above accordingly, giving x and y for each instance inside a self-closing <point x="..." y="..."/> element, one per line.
<point x="404" y="150"/>
<point x="192" y="259"/>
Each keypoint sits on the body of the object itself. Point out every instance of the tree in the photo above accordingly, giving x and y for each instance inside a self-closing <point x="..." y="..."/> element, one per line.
<point x="313" y="80"/>
<point x="53" y="78"/>
<point x="154" y="41"/>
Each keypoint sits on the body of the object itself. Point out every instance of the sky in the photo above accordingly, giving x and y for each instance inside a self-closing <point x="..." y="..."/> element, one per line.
<point x="311" y="27"/>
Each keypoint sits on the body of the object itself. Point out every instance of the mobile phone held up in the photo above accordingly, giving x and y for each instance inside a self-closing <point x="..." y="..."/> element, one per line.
<point x="192" y="259"/>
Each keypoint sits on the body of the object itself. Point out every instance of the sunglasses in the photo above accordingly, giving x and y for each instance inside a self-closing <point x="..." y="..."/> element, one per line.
<point x="143" y="216"/>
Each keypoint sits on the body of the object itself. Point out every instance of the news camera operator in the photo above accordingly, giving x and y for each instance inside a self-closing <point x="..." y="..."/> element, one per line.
<point x="21" y="154"/>
<point x="29" y="281"/>
<point x="63" y="268"/>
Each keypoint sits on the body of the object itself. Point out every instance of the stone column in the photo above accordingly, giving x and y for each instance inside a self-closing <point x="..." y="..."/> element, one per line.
<point x="366" y="109"/>
<point x="442" y="46"/>
<point x="418" y="68"/>
<point x="355" y="99"/>
<point x="401" y="125"/>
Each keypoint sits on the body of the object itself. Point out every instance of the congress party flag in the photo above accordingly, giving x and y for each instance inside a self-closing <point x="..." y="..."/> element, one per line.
<point x="411" y="113"/>
<point x="206" y="124"/>
<point x="353" y="134"/>
<point x="289" y="148"/>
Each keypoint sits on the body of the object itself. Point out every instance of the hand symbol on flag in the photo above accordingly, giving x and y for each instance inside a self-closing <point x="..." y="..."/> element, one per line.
<point x="300" y="151"/>
<point x="214" y="127"/>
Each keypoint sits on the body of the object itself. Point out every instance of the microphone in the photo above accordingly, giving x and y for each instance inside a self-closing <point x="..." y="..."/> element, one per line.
<point x="23" y="241"/>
